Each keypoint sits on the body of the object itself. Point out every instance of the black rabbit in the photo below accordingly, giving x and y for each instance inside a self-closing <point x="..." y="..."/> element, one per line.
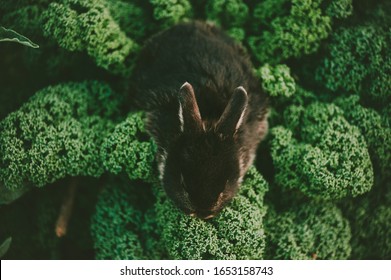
<point x="206" y="112"/>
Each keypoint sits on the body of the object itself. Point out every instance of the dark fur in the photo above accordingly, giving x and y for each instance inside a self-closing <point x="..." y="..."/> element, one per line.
<point x="205" y="162"/>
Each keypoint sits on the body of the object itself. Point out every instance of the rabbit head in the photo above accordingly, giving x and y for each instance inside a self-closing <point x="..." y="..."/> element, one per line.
<point x="202" y="168"/>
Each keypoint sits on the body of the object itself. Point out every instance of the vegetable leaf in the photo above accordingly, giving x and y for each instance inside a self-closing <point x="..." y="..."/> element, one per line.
<point x="9" y="35"/>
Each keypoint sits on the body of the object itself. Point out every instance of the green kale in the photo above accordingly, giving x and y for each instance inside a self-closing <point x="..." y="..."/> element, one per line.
<point x="124" y="150"/>
<point x="288" y="28"/>
<point x="79" y="25"/>
<point x="277" y="81"/>
<point x="230" y="15"/>
<point x="57" y="133"/>
<point x="376" y="131"/>
<point x="131" y="18"/>
<point x="358" y="62"/>
<point x="308" y="231"/>
<point x="169" y="12"/>
<point x="328" y="159"/>
<point x="121" y="226"/>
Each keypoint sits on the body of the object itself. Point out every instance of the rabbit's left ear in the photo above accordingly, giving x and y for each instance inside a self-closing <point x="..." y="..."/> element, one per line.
<point x="189" y="113"/>
<point x="232" y="117"/>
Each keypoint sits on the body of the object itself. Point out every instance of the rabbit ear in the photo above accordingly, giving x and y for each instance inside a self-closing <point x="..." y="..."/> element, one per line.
<point x="232" y="117"/>
<point x="189" y="113"/>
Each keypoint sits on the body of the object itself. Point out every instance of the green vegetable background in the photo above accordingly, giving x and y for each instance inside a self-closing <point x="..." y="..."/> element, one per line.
<point x="321" y="184"/>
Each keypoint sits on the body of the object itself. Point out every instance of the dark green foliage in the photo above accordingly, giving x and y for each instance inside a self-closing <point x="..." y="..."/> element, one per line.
<point x="291" y="28"/>
<point x="277" y="81"/>
<point x="308" y="231"/>
<point x="106" y="37"/>
<point x="58" y="132"/>
<point x="124" y="226"/>
<point x="24" y="16"/>
<point x="88" y="25"/>
<point x="121" y="227"/>
<point x="266" y="11"/>
<point x="376" y="131"/>
<point x="370" y="220"/>
<point x="287" y="29"/>
<point x="33" y="231"/>
<point x="379" y="229"/>
<point x="131" y="18"/>
<point x="358" y="62"/>
<point x="9" y="195"/>
<point x="339" y="9"/>
<point x="236" y="233"/>
<point x="230" y="15"/>
<point x="330" y="160"/>
<point x="169" y="12"/>
<point x="124" y="149"/>
<point x="5" y="246"/>
<point x="289" y="109"/>
<point x="386" y="115"/>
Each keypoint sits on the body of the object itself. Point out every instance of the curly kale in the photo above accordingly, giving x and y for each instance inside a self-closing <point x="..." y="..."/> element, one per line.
<point x="288" y="28"/>
<point x="79" y="25"/>
<point x="230" y="15"/>
<point x="131" y="18"/>
<point x="339" y="9"/>
<point x="285" y="29"/>
<point x="24" y="16"/>
<point x="57" y="133"/>
<point x="124" y="150"/>
<point x="386" y="115"/>
<point x="358" y="61"/>
<point x="376" y="131"/>
<point x="329" y="158"/>
<point x="288" y="108"/>
<point x="370" y="220"/>
<point x="169" y="12"/>
<point x="308" y="231"/>
<point x="277" y="81"/>
<point x="379" y="229"/>
<point x="123" y="225"/>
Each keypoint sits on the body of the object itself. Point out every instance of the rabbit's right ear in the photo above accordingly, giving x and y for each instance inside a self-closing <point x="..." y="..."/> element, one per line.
<point x="189" y="113"/>
<point x="232" y="117"/>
